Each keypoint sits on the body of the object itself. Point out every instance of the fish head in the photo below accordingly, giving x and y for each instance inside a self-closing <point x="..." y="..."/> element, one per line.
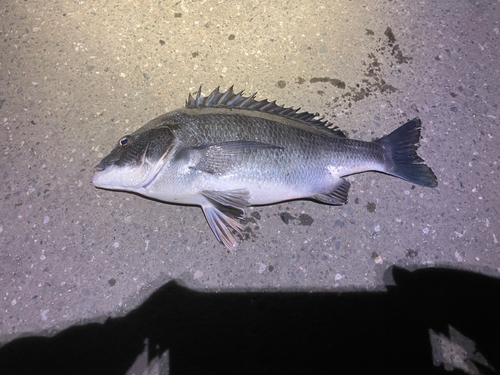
<point x="136" y="160"/>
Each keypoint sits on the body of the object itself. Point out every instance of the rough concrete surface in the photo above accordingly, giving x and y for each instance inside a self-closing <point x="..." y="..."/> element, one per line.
<point x="75" y="76"/>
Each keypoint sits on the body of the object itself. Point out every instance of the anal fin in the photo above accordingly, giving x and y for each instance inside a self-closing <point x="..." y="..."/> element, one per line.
<point x="337" y="196"/>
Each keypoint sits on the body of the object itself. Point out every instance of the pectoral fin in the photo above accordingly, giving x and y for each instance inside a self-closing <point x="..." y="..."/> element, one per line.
<point x="224" y="157"/>
<point x="223" y="210"/>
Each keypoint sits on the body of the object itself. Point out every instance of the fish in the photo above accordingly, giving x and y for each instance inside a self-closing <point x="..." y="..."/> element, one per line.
<point x="226" y="152"/>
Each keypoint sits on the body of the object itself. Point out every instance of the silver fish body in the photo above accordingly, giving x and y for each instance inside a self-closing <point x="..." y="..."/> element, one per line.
<point x="226" y="152"/>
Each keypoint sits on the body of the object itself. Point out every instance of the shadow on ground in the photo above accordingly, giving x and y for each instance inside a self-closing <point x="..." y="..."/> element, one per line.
<point x="430" y="321"/>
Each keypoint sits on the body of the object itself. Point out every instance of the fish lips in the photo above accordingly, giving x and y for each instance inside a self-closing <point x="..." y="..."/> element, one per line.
<point x="129" y="178"/>
<point x="105" y="178"/>
<point x="99" y="172"/>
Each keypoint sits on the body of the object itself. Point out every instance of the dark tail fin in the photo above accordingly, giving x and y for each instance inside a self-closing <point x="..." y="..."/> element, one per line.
<point x="401" y="152"/>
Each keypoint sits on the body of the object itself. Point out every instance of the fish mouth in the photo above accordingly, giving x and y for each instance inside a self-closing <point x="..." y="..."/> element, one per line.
<point x="137" y="178"/>
<point x="97" y="175"/>
<point x="97" y="169"/>
<point x="101" y="172"/>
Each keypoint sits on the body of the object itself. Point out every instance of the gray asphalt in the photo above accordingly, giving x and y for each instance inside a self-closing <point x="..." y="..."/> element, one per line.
<point x="76" y="76"/>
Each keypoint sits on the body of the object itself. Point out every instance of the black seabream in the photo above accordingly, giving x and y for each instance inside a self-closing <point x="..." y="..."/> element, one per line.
<point x="225" y="152"/>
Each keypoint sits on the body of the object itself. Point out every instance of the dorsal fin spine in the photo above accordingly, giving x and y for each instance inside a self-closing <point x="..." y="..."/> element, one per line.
<point x="224" y="98"/>
<point x="230" y="100"/>
<point x="245" y="103"/>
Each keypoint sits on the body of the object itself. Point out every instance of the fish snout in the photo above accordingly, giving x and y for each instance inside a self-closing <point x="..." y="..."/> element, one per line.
<point x="99" y="167"/>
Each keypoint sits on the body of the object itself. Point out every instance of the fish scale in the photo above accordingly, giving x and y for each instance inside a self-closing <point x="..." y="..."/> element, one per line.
<point x="225" y="152"/>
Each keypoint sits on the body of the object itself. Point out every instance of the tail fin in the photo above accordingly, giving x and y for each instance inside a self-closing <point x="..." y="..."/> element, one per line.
<point x="401" y="155"/>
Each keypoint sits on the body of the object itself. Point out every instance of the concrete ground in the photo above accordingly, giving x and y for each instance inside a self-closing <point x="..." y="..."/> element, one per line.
<point x="76" y="76"/>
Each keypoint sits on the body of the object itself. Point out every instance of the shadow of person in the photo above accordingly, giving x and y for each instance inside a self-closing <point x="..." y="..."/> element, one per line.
<point x="431" y="321"/>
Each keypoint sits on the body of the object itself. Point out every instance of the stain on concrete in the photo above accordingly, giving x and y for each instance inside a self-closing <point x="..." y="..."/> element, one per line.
<point x="281" y="84"/>
<point x="305" y="219"/>
<point x="286" y="217"/>
<point x="398" y="55"/>
<point x="390" y="35"/>
<point x="302" y="219"/>
<point x="256" y="215"/>
<point x="250" y="231"/>
<point x="373" y="82"/>
<point x="333" y="81"/>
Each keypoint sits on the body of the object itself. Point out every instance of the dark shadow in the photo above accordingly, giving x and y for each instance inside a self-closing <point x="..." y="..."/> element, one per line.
<point x="293" y="333"/>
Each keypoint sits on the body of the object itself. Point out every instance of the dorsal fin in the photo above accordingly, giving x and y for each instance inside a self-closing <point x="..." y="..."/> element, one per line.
<point x="231" y="100"/>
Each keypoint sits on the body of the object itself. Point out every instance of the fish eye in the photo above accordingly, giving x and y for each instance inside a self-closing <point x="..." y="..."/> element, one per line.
<point x="125" y="141"/>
